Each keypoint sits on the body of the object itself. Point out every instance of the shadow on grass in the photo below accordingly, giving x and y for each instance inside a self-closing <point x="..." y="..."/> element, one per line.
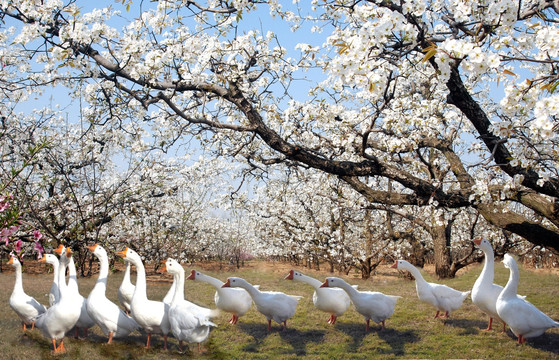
<point x="395" y="339"/>
<point x="297" y="339"/>
<point x="468" y="326"/>
<point x="547" y="342"/>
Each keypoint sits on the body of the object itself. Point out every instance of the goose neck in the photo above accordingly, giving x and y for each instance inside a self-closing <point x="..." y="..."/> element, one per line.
<point x="216" y="283"/>
<point x="140" y="289"/>
<point x="62" y="286"/>
<point x="350" y="290"/>
<point x="487" y="273"/>
<point x="309" y="280"/>
<point x="18" y="285"/>
<point x="126" y="278"/>
<point x="416" y="274"/>
<point x="101" y="284"/>
<point x="511" y="288"/>
<point x="72" y="275"/>
<point x="249" y="288"/>
<point x="178" y="279"/>
<point x="55" y="269"/>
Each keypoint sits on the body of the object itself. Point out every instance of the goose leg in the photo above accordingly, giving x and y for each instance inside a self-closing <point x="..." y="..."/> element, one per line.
<point x="60" y="348"/>
<point x="148" y="341"/>
<point x="54" y="346"/>
<point x="490" y="323"/>
<point x="284" y="325"/>
<point x="504" y="327"/>
<point x="33" y="325"/>
<point x="437" y="314"/>
<point x="165" y="342"/>
<point x="111" y="334"/>
<point x="367" y="328"/>
<point x="382" y="325"/>
<point x="180" y="346"/>
<point x="270" y="325"/>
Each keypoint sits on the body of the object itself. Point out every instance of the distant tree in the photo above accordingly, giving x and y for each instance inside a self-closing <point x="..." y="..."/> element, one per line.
<point x="399" y="92"/>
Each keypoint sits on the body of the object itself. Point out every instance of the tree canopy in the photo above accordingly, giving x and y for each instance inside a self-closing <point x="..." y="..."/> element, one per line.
<point x="421" y="107"/>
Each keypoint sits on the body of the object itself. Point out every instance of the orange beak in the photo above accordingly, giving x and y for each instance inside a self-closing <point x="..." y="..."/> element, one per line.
<point x="164" y="263"/>
<point x="58" y="250"/>
<point x="122" y="253"/>
<point x="92" y="247"/>
<point x="69" y="253"/>
<point x="325" y="284"/>
<point x="11" y="261"/>
<point x="192" y="275"/>
<point x="43" y="259"/>
<point x="395" y="265"/>
<point x="289" y="276"/>
<point x="477" y="240"/>
<point x="227" y="284"/>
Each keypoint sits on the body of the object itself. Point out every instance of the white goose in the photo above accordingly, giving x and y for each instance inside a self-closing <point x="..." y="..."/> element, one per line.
<point x="189" y="322"/>
<point x="485" y="292"/>
<point x="25" y="306"/>
<point x="274" y="305"/>
<point x="442" y="297"/>
<point x="63" y="315"/>
<point x="112" y="320"/>
<point x="126" y="289"/>
<point x="85" y="321"/>
<point x="372" y="305"/>
<point x="524" y="319"/>
<point x="54" y="294"/>
<point x="168" y="298"/>
<point x="151" y="315"/>
<point x="334" y="301"/>
<point x="236" y="301"/>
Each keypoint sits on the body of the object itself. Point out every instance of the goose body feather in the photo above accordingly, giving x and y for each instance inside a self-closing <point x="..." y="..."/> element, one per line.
<point x="524" y="319"/>
<point x="274" y="305"/>
<point x="442" y="297"/>
<point x="25" y="306"/>
<point x="112" y="320"/>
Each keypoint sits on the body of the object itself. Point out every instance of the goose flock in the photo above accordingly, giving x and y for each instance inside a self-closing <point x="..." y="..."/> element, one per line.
<point x="68" y="310"/>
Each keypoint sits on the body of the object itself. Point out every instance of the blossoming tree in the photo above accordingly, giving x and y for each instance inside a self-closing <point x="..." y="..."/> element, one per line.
<point x="406" y="93"/>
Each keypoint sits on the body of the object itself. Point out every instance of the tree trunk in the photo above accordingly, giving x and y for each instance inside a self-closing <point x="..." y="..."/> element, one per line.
<point x="365" y="268"/>
<point x="441" y="247"/>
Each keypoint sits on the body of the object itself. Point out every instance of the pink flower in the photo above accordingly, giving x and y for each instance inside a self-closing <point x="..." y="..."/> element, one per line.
<point x="4" y="233"/>
<point x="19" y="243"/>
<point x="37" y="235"/>
<point x="39" y="249"/>
<point x="4" y="203"/>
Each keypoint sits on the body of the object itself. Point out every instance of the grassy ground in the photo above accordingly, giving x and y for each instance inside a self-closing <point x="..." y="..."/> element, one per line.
<point x="411" y="332"/>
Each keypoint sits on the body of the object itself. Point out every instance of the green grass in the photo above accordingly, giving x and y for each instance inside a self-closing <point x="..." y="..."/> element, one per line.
<point x="411" y="332"/>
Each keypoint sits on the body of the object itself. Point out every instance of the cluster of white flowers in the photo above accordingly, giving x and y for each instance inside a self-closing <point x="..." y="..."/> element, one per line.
<point x="547" y="40"/>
